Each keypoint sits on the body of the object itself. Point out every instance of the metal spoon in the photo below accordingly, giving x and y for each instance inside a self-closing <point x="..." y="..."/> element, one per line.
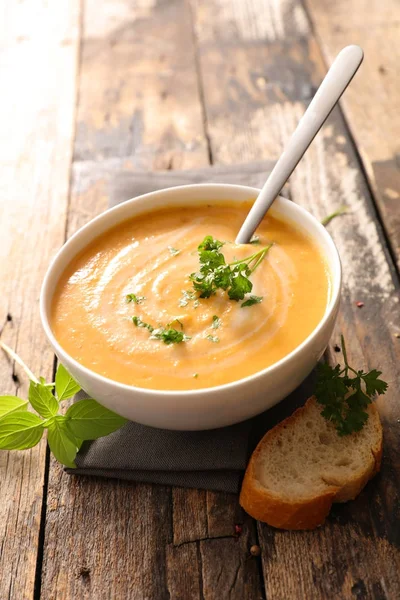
<point x="336" y="81"/>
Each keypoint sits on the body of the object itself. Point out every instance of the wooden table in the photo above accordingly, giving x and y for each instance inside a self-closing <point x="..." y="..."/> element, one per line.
<point x="90" y="88"/>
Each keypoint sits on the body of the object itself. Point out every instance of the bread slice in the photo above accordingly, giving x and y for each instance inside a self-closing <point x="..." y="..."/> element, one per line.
<point x="301" y="466"/>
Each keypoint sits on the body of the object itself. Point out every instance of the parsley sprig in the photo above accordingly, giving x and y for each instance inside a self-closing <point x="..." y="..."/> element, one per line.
<point x="215" y="273"/>
<point x="345" y="394"/>
<point x="86" y="419"/>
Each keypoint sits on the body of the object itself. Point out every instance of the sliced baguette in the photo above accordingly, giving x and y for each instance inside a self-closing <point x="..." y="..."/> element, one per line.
<point x="301" y="466"/>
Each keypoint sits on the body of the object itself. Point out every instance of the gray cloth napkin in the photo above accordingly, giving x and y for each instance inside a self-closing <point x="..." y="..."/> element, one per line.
<point x="213" y="459"/>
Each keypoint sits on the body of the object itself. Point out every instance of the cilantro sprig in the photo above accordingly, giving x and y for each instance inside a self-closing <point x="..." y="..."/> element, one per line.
<point x="345" y="394"/>
<point x="168" y="335"/>
<point x="84" y="420"/>
<point x="214" y="273"/>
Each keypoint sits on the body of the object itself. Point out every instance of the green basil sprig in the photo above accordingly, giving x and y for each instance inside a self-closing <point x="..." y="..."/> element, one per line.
<point x="86" y="419"/>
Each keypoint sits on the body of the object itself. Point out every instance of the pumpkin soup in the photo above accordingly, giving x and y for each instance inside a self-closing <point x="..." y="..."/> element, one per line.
<point x="167" y="301"/>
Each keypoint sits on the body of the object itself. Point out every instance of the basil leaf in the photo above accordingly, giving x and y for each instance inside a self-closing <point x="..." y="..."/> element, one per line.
<point x="66" y="386"/>
<point x="89" y="420"/>
<point x="42" y="400"/>
<point x="20" y="431"/>
<point x="10" y="404"/>
<point x="62" y="444"/>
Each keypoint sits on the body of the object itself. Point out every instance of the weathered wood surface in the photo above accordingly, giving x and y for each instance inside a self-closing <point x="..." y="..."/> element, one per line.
<point x="38" y="67"/>
<point x="173" y="85"/>
<point x="139" y="107"/>
<point x="371" y="102"/>
<point x="255" y="92"/>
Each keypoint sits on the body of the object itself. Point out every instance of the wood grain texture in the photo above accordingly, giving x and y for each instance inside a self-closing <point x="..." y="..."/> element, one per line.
<point x="38" y="74"/>
<point x="138" y="85"/>
<point x="139" y="107"/>
<point x="184" y="577"/>
<point x="228" y="569"/>
<point x="371" y="102"/>
<point x="105" y="539"/>
<point x="356" y="554"/>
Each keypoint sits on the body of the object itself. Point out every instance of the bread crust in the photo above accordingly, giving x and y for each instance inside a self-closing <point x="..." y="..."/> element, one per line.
<point x="310" y="513"/>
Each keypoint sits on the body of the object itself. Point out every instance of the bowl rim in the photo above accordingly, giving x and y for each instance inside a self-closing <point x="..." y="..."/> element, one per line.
<point x="64" y="355"/>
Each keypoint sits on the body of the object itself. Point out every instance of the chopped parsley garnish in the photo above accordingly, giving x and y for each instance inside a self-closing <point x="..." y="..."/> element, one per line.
<point x="195" y="375"/>
<point x="215" y="273"/>
<point x="134" y="298"/>
<point x="252" y="300"/>
<point x="168" y="334"/>
<point x="139" y="323"/>
<point x="213" y="338"/>
<point x="187" y="296"/>
<point x="216" y="322"/>
<point x="175" y="321"/>
<point x="173" y="251"/>
<point x="210" y="244"/>
<point x="346" y="393"/>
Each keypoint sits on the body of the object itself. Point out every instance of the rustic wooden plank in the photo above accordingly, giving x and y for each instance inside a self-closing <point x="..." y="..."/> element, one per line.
<point x="228" y="568"/>
<point x="184" y="580"/>
<point x="356" y="553"/>
<point x="189" y="516"/>
<point x="105" y="539"/>
<point x="223" y="514"/>
<point x="140" y="548"/>
<point x="138" y="87"/>
<point x="371" y="102"/>
<point x="38" y="71"/>
<point x="138" y="99"/>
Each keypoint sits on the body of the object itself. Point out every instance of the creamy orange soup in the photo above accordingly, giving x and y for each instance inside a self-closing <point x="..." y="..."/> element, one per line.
<point x="152" y="256"/>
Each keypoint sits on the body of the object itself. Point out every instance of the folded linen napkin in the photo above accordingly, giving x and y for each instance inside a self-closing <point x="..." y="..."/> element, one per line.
<point x="212" y="459"/>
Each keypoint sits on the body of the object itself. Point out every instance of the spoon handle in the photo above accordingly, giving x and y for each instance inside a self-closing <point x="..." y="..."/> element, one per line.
<point x="336" y="81"/>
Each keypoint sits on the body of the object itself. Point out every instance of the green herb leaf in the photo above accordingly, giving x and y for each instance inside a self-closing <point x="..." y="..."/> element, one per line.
<point x="42" y="400"/>
<point x="134" y="298"/>
<point x="373" y="384"/>
<point x="240" y="283"/>
<point x="10" y="404"/>
<point x="345" y="393"/>
<point x="20" y="431"/>
<point x="139" y="323"/>
<point x="216" y="322"/>
<point x="252" y="300"/>
<point x="173" y="251"/>
<point x="210" y="244"/>
<point x="62" y="443"/>
<point x="175" y="321"/>
<point x="195" y="375"/>
<point x="169" y="336"/>
<point x="338" y="213"/>
<point x="213" y="338"/>
<point x="66" y="386"/>
<point x="89" y="420"/>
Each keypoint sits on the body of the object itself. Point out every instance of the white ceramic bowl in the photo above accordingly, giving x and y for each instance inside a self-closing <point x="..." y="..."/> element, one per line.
<point x="210" y="407"/>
